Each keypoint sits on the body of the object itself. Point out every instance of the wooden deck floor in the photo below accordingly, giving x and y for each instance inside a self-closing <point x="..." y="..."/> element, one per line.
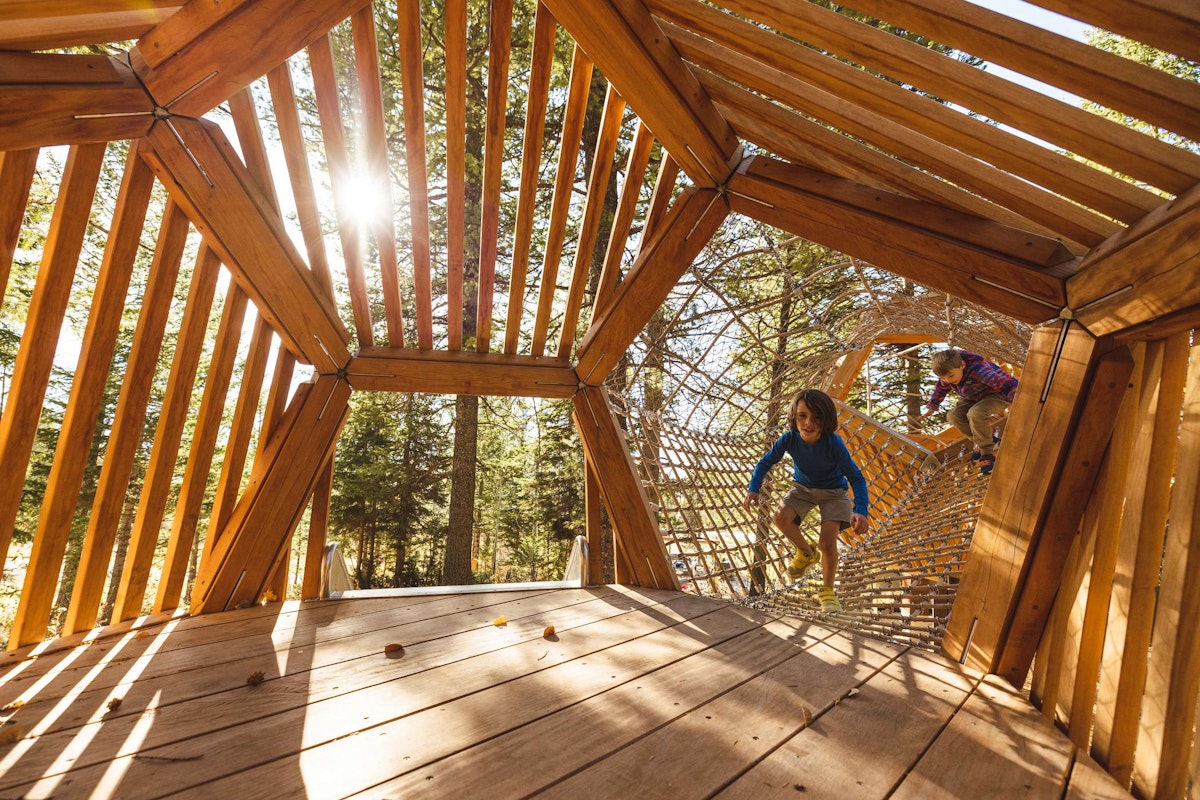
<point x="638" y="693"/>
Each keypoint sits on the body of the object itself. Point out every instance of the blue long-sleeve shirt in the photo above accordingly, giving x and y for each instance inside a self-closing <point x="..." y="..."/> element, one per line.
<point x="824" y="465"/>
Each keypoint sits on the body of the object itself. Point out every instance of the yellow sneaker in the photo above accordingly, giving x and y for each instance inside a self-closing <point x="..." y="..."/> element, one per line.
<point x="829" y="600"/>
<point x="801" y="563"/>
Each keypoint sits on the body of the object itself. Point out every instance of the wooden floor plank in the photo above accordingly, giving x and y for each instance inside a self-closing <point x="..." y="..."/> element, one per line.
<point x="864" y="745"/>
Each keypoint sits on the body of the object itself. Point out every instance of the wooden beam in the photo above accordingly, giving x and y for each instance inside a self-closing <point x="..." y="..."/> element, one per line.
<point x="16" y="176"/>
<point x="79" y="419"/>
<point x="205" y="176"/>
<point x="455" y="15"/>
<point x="1049" y="546"/>
<point x="544" y="30"/>
<point x="618" y="238"/>
<point x="442" y="372"/>
<point x="248" y="550"/>
<point x="38" y="25"/>
<point x="692" y="221"/>
<point x="126" y="434"/>
<point x="846" y="370"/>
<point x="499" y="47"/>
<point x="1040" y="427"/>
<point x="634" y="526"/>
<point x="593" y="523"/>
<point x="318" y="528"/>
<point x="602" y="163"/>
<point x="205" y="52"/>
<point x="43" y="324"/>
<point x="413" y="91"/>
<point x="55" y="98"/>
<point x="632" y="52"/>
<point x="1145" y="272"/>
<point x="965" y="256"/>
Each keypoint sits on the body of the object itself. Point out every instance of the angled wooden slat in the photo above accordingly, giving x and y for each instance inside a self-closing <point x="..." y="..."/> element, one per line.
<point x="845" y="371"/>
<point x="248" y="552"/>
<point x="366" y="64"/>
<point x="1056" y="173"/>
<point x="295" y="153"/>
<point x="634" y="524"/>
<point x="1102" y="77"/>
<point x="37" y="25"/>
<point x="43" y="322"/>
<point x="16" y="176"/>
<point x="660" y="197"/>
<point x="160" y="471"/>
<point x="277" y="396"/>
<point x="500" y="45"/>
<point x="564" y="182"/>
<point x="602" y="164"/>
<point x="320" y="56"/>
<point x="456" y="164"/>
<point x="635" y="177"/>
<point x="624" y="40"/>
<point x="130" y="416"/>
<point x="413" y="87"/>
<point x="254" y="152"/>
<point x="664" y="257"/>
<point x="1122" y="149"/>
<point x="53" y="98"/>
<point x="441" y="372"/>
<point x="79" y="419"/>
<point x="1174" y="27"/>
<point x="544" y="29"/>
<point x="318" y="528"/>
<point x="207" y="51"/>
<point x="200" y="455"/>
<point x="852" y="222"/>
<point x="224" y="203"/>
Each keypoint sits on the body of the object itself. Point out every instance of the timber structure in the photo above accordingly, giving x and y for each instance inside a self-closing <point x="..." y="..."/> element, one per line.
<point x="1062" y="596"/>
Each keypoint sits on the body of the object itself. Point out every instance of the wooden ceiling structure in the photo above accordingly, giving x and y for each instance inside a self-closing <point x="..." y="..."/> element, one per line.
<point x="779" y="110"/>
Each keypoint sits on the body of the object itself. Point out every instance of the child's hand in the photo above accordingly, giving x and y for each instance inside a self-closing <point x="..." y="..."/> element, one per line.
<point x="751" y="501"/>
<point x="859" y="523"/>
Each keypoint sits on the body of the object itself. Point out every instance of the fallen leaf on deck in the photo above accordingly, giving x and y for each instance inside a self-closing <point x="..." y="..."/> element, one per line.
<point x="393" y="649"/>
<point x="500" y="622"/>
<point x="13" y="706"/>
<point x="546" y="634"/>
<point x="114" y="704"/>
<point x="142" y="635"/>
<point x="256" y="678"/>
<point x="269" y="597"/>
<point x="11" y="733"/>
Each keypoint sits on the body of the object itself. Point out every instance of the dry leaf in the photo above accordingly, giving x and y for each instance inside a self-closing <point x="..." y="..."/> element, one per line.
<point x="395" y="648"/>
<point x="142" y="635"/>
<point x="256" y="678"/>
<point x="13" y="706"/>
<point x="500" y="621"/>
<point x="269" y="596"/>
<point x="11" y="733"/>
<point x="546" y="634"/>
<point x="114" y="704"/>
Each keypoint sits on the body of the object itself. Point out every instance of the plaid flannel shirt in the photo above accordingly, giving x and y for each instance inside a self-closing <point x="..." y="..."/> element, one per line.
<point x="980" y="378"/>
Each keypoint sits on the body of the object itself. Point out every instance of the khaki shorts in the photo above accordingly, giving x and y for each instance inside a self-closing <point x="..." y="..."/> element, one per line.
<point x="834" y="503"/>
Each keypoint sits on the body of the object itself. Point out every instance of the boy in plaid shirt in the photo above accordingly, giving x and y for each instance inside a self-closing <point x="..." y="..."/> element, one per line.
<point x="984" y="390"/>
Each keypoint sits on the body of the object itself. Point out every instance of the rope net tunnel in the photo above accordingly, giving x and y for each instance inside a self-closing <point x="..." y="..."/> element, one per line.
<point x="706" y="391"/>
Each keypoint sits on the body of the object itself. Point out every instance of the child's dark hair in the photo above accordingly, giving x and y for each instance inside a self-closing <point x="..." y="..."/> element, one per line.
<point x="820" y="405"/>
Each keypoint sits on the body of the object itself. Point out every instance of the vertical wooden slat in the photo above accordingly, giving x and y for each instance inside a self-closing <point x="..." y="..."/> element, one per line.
<point x="366" y="63"/>
<point x="320" y="56"/>
<point x="1174" y="682"/>
<point x="593" y="521"/>
<point x="318" y="529"/>
<point x="493" y="159"/>
<point x="16" y="176"/>
<point x="635" y="176"/>
<point x="456" y="164"/>
<point x="87" y="391"/>
<point x="544" y="29"/>
<point x="43" y="322"/>
<point x="200" y="455"/>
<point x="413" y="88"/>
<point x="129" y="419"/>
<point x="160" y="472"/>
<point x="602" y="162"/>
<point x="564" y="181"/>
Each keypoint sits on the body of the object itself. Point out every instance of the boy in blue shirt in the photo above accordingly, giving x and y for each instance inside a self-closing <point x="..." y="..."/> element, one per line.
<point x="821" y="469"/>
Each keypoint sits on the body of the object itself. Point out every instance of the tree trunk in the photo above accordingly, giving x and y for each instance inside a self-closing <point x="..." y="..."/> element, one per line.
<point x="457" y="569"/>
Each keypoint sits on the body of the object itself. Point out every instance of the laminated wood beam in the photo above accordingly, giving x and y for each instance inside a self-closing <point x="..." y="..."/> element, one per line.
<point x="1173" y="27"/>
<point x="456" y="165"/>
<point x="412" y="84"/>
<point x="593" y="523"/>
<point x="627" y="44"/>
<point x="1143" y="273"/>
<point x="564" y="184"/>
<point x="160" y="471"/>
<point x="602" y="163"/>
<point x="247" y="552"/>
<point x="205" y="176"/>
<point x="618" y="238"/>
<point x="79" y="419"/>
<point x="38" y="25"/>
<point x="277" y="395"/>
<point x="660" y="197"/>
<point x="126" y="435"/>
<point x="318" y="529"/>
<point x="442" y="372"/>
<point x="635" y="528"/>
<point x="366" y="64"/>
<point x="43" y="323"/>
<point x="1049" y="546"/>
<point x="16" y="176"/>
<point x="1040" y="428"/>
<point x="499" y="51"/>
<point x="55" y="98"/>
<point x="1006" y="269"/>
<point x="320" y="56"/>
<point x="206" y="51"/>
<point x="544" y="29"/>
<point x="913" y="142"/>
<point x="200" y="455"/>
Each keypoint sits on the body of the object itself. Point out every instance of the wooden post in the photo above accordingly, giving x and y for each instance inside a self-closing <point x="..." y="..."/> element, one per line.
<point x="318" y="527"/>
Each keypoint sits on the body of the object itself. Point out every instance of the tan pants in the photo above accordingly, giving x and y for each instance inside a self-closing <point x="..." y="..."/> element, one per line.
<point x="978" y="420"/>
